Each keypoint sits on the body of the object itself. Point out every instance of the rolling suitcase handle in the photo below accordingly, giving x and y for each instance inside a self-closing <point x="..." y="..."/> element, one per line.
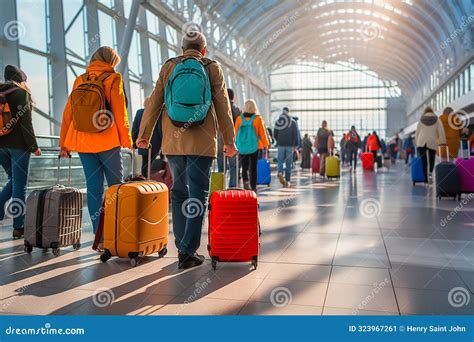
<point x="236" y="171"/>
<point x="447" y="153"/>
<point x="59" y="170"/>
<point x="134" y="154"/>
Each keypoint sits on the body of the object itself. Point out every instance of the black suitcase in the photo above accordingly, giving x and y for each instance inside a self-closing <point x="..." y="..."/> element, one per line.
<point x="54" y="217"/>
<point x="447" y="178"/>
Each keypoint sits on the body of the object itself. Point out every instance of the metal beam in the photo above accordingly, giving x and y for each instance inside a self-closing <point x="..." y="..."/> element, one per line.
<point x="147" y="74"/>
<point x="128" y="35"/>
<point x="11" y="30"/>
<point x="93" y="30"/>
<point x="120" y="23"/>
<point x="57" y="48"/>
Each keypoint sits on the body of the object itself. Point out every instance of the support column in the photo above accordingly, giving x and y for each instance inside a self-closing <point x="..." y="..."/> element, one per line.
<point x="10" y="32"/>
<point x="93" y="30"/>
<point x="120" y="23"/>
<point x="163" y="42"/>
<point x="128" y="35"/>
<point x="58" y="61"/>
<point x="147" y="74"/>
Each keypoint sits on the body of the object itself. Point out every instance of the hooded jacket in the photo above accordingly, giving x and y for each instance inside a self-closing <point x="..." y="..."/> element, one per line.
<point x="117" y="135"/>
<point x="429" y="132"/>
<point x="23" y="134"/>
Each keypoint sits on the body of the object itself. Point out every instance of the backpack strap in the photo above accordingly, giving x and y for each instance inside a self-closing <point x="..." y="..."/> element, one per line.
<point x="101" y="78"/>
<point x="180" y="59"/>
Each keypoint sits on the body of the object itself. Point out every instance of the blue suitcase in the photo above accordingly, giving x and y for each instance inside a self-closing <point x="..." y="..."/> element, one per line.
<point x="417" y="174"/>
<point x="263" y="172"/>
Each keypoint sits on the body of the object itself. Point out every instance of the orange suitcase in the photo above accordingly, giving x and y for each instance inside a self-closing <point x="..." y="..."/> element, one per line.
<point x="135" y="220"/>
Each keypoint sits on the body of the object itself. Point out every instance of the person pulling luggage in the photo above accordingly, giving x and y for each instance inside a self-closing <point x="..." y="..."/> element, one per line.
<point x="190" y="122"/>
<point x="251" y="136"/>
<point x="97" y="132"/>
<point x="17" y="143"/>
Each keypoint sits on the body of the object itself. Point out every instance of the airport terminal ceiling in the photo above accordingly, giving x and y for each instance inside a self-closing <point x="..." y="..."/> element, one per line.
<point x="391" y="37"/>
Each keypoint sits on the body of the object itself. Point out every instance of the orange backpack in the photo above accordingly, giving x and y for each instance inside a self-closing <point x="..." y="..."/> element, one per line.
<point x="6" y="119"/>
<point x="90" y="109"/>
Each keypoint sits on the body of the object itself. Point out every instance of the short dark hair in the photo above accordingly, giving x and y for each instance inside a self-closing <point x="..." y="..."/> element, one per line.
<point x="428" y="109"/>
<point x="193" y="40"/>
<point x="286" y="110"/>
<point x="230" y="93"/>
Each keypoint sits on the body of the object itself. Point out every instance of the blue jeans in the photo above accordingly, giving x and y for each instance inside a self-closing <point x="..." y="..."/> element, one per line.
<point x="230" y="166"/>
<point x="285" y="155"/>
<point x="191" y="175"/>
<point x="16" y="163"/>
<point x="96" y="166"/>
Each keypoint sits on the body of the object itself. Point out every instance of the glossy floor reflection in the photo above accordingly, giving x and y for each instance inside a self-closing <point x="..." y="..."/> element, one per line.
<point x="369" y="244"/>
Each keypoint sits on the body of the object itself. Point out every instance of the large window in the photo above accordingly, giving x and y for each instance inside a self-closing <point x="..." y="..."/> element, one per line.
<point x="343" y="94"/>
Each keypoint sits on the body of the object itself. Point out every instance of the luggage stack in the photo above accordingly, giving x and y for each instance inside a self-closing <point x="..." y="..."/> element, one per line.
<point x="54" y="217"/>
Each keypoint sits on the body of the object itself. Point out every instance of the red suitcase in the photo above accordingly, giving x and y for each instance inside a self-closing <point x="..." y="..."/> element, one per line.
<point x="367" y="160"/>
<point x="315" y="164"/>
<point x="233" y="226"/>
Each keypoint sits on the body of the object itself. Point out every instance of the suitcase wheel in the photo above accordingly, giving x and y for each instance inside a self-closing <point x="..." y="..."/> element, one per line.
<point x="28" y="249"/>
<point x="105" y="256"/>
<point x="255" y="262"/>
<point x="134" y="261"/>
<point x="214" y="263"/>
<point x="163" y="252"/>
<point x="56" y="252"/>
<point x="76" y="246"/>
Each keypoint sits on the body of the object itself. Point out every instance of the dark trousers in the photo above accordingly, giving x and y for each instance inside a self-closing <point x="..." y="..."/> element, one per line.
<point x="422" y="153"/>
<point x="189" y="195"/>
<point x="249" y="165"/>
<point x="352" y="155"/>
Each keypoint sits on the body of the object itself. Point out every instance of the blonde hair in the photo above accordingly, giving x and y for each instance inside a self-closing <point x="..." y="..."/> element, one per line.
<point x="107" y="55"/>
<point x="250" y="107"/>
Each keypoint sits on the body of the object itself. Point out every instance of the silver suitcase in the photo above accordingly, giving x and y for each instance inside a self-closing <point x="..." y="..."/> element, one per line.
<point x="54" y="217"/>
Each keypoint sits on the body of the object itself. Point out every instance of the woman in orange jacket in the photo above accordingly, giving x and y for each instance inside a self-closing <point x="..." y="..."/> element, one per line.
<point x="251" y="136"/>
<point x="98" y="137"/>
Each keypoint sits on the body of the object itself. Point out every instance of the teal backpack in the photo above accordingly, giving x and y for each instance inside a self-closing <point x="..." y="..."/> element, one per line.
<point x="188" y="92"/>
<point x="247" y="140"/>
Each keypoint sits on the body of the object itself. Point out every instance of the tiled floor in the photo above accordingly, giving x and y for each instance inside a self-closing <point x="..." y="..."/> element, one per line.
<point x="369" y="244"/>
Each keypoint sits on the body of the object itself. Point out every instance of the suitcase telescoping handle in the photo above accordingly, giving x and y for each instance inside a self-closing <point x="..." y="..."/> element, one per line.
<point x="447" y="152"/>
<point x="134" y="155"/>
<point x="236" y="156"/>
<point x="58" y="182"/>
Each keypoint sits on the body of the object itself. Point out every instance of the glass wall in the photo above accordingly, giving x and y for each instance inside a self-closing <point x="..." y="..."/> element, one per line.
<point x="162" y="42"/>
<point x="455" y="87"/>
<point x="343" y="94"/>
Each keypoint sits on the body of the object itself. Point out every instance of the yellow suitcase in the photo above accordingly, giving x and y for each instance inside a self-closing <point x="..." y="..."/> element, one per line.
<point x="332" y="167"/>
<point x="135" y="220"/>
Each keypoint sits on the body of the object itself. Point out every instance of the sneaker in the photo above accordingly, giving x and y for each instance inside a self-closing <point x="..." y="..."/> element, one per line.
<point x="288" y="184"/>
<point x="18" y="233"/>
<point x="246" y="185"/>
<point x="186" y="260"/>
<point x="281" y="178"/>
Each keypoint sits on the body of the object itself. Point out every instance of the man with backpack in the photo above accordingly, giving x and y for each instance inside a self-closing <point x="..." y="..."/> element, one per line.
<point x="191" y="96"/>
<point x="286" y="136"/>
<point x="353" y="144"/>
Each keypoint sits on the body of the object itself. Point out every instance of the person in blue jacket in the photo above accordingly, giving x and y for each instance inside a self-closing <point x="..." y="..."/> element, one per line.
<point x="155" y="141"/>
